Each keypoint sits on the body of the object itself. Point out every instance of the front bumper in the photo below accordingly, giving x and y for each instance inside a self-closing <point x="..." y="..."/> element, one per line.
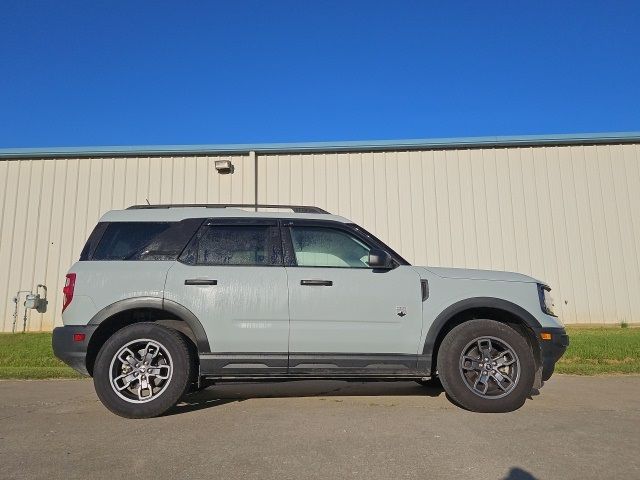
<point x="71" y="352"/>
<point x="551" y="350"/>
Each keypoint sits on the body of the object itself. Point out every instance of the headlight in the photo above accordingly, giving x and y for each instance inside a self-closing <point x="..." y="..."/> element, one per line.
<point x="546" y="301"/>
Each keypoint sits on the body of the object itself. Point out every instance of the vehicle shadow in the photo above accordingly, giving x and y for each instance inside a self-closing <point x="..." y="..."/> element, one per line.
<point x="519" y="474"/>
<point x="224" y="393"/>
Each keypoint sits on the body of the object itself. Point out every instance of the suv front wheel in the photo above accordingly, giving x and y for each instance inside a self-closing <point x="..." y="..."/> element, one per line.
<point x="486" y="366"/>
<point x="142" y="370"/>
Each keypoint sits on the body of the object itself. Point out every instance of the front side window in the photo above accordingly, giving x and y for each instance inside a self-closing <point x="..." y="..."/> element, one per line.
<point x="124" y="240"/>
<point x="238" y="245"/>
<point x="328" y="247"/>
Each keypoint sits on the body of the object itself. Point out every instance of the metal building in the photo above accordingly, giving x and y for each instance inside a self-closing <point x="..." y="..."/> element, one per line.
<point x="563" y="208"/>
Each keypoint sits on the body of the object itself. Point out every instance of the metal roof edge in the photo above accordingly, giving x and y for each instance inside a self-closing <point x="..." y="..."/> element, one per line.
<point x="371" y="145"/>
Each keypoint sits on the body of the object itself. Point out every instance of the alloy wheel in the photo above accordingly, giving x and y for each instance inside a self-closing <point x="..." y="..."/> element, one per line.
<point x="490" y="367"/>
<point x="141" y="370"/>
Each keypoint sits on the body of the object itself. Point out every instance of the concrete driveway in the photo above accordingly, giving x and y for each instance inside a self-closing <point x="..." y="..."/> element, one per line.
<point x="578" y="427"/>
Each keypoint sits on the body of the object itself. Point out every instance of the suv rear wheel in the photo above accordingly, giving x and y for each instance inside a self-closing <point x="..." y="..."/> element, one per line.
<point x="486" y="366"/>
<point x="142" y="370"/>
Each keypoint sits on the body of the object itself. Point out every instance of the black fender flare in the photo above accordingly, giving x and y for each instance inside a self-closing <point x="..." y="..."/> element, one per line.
<point x="157" y="303"/>
<point x="468" y="304"/>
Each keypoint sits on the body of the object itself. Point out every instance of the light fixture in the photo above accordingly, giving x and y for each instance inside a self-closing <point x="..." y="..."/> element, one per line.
<point x="224" y="166"/>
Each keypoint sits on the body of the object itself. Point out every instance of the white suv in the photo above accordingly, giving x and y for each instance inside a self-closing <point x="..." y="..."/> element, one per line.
<point x="168" y="298"/>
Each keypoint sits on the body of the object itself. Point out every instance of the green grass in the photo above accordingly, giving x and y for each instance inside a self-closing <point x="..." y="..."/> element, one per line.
<point x="592" y="351"/>
<point x="595" y="351"/>
<point x="29" y="356"/>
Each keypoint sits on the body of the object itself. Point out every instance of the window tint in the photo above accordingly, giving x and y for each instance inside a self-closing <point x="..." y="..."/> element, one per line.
<point x="239" y="245"/>
<point x="93" y="241"/>
<point x="328" y="247"/>
<point x="123" y="240"/>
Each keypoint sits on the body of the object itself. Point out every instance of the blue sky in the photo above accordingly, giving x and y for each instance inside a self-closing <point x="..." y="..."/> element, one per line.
<point x="76" y="73"/>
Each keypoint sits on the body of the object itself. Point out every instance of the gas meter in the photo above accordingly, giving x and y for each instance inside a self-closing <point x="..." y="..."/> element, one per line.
<point x="34" y="301"/>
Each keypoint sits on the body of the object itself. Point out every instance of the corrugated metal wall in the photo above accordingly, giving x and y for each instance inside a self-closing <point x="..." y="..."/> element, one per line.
<point x="566" y="214"/>
<point x="48" y="207"/>
<point x="569" y="215"/>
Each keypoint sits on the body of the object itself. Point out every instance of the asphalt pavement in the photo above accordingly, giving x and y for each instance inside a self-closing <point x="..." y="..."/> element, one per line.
<point x="576" y="428"/>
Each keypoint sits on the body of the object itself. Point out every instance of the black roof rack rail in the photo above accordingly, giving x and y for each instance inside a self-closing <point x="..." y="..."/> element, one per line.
<point x="294" y="208"/>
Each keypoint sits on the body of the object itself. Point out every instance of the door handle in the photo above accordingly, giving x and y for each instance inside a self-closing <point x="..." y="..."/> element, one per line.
<point x="321" y="283"/>
<point x="200" y="281"/>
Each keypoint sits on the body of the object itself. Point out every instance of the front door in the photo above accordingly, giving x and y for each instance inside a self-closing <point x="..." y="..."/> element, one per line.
<point x="347" y="318"/>
<point x="231" y="276"/>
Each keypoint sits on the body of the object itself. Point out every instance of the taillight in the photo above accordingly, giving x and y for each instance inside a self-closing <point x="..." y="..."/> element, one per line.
<point x="67" y="291"/>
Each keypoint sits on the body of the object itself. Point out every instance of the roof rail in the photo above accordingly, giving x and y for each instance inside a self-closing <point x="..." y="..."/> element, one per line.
<point x="294" y="208"/>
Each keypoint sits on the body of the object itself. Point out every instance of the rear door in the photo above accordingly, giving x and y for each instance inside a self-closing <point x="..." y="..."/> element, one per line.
<point x="345" y="316"/>
<point x="231" y="276"/>
<point x="125" y="260"/>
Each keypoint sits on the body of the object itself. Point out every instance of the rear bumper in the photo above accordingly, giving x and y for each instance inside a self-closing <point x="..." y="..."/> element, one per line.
<point x="71" y="352"/>
<point x="551" y="350"/>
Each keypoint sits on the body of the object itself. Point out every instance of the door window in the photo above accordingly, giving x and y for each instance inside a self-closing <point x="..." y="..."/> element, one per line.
<point x="328" y="247"/>
<point x="238" y="245"/>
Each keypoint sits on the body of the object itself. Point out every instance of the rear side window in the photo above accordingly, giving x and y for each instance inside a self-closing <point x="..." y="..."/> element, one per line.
<point x="125" y="240"/>
<point x="236" y="245"/>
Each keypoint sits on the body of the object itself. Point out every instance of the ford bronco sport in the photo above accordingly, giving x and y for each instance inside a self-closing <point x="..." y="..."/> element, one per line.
<point x="166" y="299"/>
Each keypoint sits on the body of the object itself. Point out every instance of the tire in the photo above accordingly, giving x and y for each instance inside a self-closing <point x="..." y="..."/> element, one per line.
<point x="501" y="385"/>
<point x="120" y="366"/>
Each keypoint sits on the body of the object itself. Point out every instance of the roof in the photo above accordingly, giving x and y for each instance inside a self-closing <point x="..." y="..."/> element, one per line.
<point x="177" y="213"/>
<point x="355" y="146"/>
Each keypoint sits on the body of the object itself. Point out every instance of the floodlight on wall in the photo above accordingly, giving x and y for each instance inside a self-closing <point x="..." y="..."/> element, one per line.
<point x="224" y="166"/>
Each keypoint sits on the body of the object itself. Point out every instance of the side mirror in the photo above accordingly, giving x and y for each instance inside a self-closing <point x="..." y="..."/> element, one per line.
<point x="380" y="259"/>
